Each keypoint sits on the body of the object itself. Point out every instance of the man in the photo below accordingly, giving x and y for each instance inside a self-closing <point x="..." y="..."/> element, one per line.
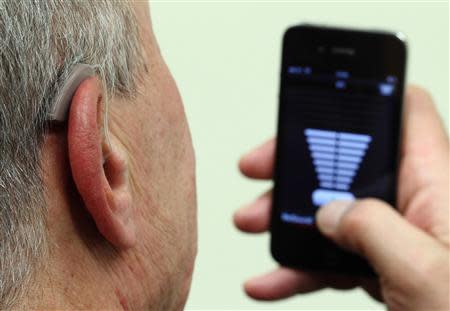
<point x="92" y="217"/>
<point x="99" y="211"/>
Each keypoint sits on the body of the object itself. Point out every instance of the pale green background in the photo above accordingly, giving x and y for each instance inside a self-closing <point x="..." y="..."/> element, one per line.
<point x="225" y="57"/>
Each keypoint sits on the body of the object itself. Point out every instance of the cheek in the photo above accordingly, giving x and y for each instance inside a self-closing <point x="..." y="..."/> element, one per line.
<point x="164" y="160"/>
<point x="177" y="129"/>
<point x="170" y="97"/>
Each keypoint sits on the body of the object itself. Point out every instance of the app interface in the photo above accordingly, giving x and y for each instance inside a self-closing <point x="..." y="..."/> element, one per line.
<point x="339" y="135"/>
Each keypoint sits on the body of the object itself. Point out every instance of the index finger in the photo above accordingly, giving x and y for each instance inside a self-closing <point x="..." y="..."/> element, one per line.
<point x="259" y="162"/>
<point x="424" y="133"/>
<point x="425" y="147"/>
<point x="424" y="166"/>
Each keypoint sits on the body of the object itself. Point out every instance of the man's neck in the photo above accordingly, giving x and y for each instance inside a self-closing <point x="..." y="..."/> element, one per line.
<point x="69" y="278"/>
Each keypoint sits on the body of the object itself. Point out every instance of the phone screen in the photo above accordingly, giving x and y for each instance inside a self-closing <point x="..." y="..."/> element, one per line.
<point x="339" y="124"/>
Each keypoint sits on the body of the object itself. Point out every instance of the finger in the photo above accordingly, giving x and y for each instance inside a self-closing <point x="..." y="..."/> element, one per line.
<point x="423" y="175"/>
<point x="259" y="162"/>
<point x="281" y="283"/>
<point x="376" y="231"/>
<point x="425" y="147"/>
<point x="255" y="217"/>
<point x="423" y="130"/>
<point x="285" y="282"/>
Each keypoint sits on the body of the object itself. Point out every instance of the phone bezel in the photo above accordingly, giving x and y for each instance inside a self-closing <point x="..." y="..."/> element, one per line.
<point x="323" y="254"/>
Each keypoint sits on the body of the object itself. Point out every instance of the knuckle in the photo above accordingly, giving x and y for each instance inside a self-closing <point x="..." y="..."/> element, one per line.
<point x="360" y="224"/>
<point x="360" y="218"/>
<point x="425" y="197"/>
<point x="354" y="221"/>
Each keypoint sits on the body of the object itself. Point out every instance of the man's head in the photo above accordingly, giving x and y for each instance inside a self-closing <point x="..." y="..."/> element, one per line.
<point x="103" y="205"/>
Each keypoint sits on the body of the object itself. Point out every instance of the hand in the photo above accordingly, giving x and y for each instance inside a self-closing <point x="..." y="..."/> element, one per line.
<point x="410" y="253"/>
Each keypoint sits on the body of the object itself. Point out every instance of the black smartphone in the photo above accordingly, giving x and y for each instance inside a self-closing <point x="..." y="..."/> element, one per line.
<point x="338" y="136"/>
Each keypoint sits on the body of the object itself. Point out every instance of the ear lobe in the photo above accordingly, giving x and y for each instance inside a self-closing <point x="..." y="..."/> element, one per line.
<point x="102" y="184"/>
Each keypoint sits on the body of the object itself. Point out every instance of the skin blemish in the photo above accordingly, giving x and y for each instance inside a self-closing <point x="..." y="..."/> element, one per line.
<point x="122" y="299"/>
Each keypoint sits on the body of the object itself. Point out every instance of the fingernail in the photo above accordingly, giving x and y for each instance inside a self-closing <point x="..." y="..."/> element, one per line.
<point x="249" y="156"/>
<point x="254" y="280"/>
<point x="329" y="216"/>
<point x="243" y="211"/>
<point x="258" y="280"/>
<point x="240" y="210"/>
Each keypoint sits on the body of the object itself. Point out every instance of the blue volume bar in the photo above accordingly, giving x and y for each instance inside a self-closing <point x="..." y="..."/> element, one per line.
<point x="322" y="148"/>
<point x="342" y="172"/>
<point x="326" y="170"/>
<point x="319" y="162"/>
<point x="321" y="155"/>
<point x="352" y="144"/>
<point x="321" y="141"/>
<point x="325" y="177"/>
<point x="342" y="186"/>
<point x="326" y="184"/>
<point x="352" y="166"/>
<point x="323" y="196"/>
<point x="343" y="179"/>
<point x="346" y="158"/>
<point x="320" y="133"/>
<point x="356" y="152"/>
<point x="355" y="137"/>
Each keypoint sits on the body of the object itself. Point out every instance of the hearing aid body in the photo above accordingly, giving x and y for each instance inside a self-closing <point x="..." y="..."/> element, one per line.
<point x="79" y="73"/>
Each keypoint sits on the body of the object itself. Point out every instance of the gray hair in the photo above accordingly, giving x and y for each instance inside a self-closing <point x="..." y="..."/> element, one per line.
<point x="40" y="41"/>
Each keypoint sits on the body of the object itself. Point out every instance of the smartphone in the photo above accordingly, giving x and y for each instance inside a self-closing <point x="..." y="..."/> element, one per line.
<point x="338" y="136"/>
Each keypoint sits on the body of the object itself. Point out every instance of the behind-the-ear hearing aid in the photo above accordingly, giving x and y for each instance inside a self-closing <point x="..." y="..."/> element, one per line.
<point x="60" y="109"/>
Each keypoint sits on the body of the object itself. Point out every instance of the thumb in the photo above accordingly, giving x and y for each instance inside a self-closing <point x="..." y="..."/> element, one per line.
<point x="374" y="230"/>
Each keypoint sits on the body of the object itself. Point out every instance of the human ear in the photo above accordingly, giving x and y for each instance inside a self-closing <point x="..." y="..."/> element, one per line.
<point x="99" y="167"/>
